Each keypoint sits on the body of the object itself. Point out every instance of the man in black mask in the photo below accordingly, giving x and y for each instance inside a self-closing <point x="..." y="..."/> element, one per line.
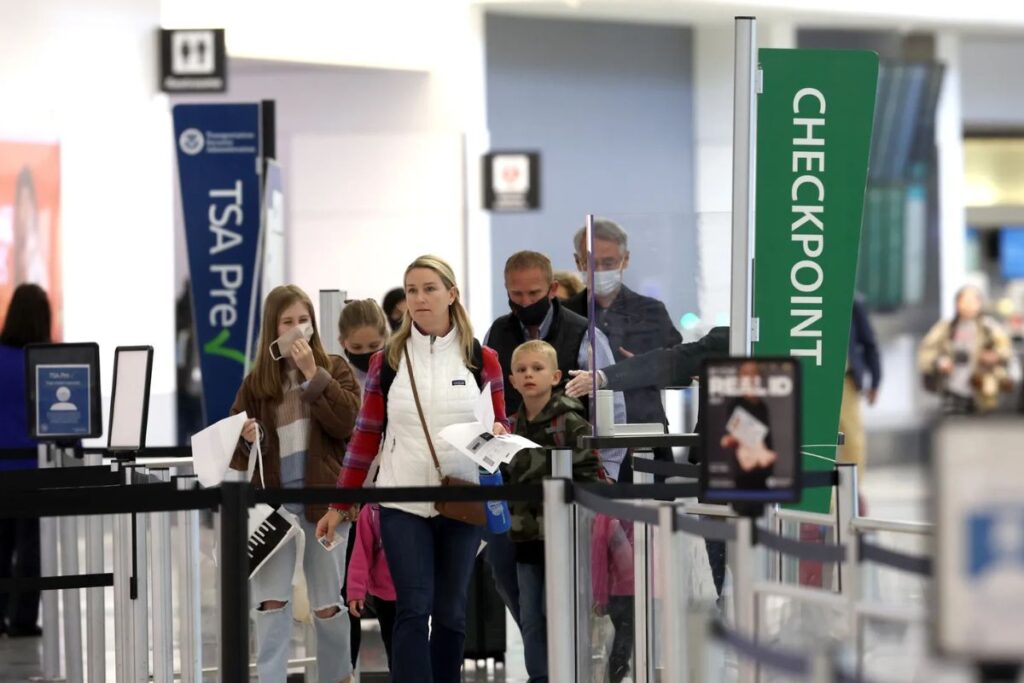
<point x="537" y="314"/>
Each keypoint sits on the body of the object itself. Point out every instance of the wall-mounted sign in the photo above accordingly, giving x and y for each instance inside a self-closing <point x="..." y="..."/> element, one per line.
<point x="511" y="181"/>
<point x="193" y="60"/>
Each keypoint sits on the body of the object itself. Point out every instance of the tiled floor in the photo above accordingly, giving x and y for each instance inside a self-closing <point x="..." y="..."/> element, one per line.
<point x="893" y="653"/>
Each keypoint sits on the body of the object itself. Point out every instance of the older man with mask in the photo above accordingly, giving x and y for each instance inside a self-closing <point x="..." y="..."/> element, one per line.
<point x="537" y="313"/>
<point x="633" y="323"/>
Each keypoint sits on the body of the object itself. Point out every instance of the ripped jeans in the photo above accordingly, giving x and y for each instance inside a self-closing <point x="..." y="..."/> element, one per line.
<point x="324" y="572"/>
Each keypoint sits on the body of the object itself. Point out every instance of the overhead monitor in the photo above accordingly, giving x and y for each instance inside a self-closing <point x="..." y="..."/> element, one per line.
<point x="129" y="402"/>
<point x="63" y="382"/>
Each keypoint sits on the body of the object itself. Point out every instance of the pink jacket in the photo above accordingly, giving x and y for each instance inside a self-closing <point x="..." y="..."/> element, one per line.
<point x="611" y="555"/>
<point x="368" y="569"/>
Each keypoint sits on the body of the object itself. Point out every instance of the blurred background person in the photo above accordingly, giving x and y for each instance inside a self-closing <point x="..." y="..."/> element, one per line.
<point x="27" y="322"/>
<point x="569" y="284"/>
<point x="862" y="359"/>
<point x="394" y="307"/>
<point x="965" y="360"/>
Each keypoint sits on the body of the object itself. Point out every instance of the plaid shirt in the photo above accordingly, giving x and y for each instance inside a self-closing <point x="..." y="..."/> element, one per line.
<point x="365" y="443"/>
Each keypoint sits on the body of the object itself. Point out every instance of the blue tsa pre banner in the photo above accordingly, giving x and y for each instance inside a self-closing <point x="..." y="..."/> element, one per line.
<point x="218" y="166"/>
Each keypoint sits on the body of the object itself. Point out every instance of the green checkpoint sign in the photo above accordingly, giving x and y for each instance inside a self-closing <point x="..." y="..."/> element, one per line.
<point x="814" y="117"/>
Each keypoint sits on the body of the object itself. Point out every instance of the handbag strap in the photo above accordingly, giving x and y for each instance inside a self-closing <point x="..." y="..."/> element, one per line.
<point x="419" y="409"/>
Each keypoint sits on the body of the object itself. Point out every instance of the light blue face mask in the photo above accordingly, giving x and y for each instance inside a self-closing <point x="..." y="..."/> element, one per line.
<point x="607" y="282"/>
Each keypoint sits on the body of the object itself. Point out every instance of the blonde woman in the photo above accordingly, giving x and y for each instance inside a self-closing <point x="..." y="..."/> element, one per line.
<point x="302" y="408"/>
<point x="431" y="557"/>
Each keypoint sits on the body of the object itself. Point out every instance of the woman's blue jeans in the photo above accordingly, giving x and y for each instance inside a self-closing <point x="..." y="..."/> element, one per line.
<point x="431" y="561"/>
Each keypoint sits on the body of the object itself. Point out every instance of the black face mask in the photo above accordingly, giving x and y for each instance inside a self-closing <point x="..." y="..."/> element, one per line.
<point x="395" y="323"/>
<point x="360" y="360"/>
<point x="533" y="314"/>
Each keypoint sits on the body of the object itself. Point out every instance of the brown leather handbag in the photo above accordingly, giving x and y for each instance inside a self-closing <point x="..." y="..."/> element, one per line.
<point x="467" y="512"/>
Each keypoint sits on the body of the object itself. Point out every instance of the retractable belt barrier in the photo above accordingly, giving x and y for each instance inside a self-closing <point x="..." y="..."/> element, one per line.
<point x="129" y="492"/>
<point x="667" y="469"/>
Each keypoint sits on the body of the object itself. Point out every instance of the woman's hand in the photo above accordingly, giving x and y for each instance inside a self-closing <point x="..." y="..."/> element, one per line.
<point x="356" y="607"/>
<point x="944" y="365"/>
<point x="250" y="430"/>
<point x="990" y="358"/>
<point x="328" y="523"/>
<point x="498" y="429"/>
<point x="302" y="354"/>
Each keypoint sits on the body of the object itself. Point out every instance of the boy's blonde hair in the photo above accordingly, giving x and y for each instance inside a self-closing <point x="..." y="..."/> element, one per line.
<point x="538" y="346"/>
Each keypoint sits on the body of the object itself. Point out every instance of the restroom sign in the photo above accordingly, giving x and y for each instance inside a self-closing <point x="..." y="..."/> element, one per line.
<point x="193" y="60"/>
<point x="511" y="181"/>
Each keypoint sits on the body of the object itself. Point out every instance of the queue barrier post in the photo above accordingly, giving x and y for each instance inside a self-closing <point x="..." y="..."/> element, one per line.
<point x="140" y="576"/>
<point x="847" y="509"/>
<point x="189" y="597"/>
<point x="163" y="608"/>
<point x="96" y="636"/>
<point x="234" y="590"/>
<point x="741" y="560"/>
<point x="48" y="565"/>
<point x="124" y="648"/>
<point x="72" y="598"/>
<point x="558" y="578"/>
<point x="642" y="617"/>
<point x="674" y="607"/>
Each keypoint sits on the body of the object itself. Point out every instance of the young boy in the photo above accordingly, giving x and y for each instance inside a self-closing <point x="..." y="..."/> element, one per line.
<point x="551" y="420"/>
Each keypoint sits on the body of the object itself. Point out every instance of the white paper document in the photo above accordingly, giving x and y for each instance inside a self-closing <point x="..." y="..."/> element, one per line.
<point x="213" y="447"/>
<point x="476" y="442"/>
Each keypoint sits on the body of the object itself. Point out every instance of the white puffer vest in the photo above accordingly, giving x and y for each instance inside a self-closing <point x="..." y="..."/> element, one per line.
<point x="448" y="392"/>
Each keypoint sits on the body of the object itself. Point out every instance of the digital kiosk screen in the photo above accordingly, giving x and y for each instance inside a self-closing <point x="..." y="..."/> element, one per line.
<point x="751" y="437"/>
<point x="63" y="383"/>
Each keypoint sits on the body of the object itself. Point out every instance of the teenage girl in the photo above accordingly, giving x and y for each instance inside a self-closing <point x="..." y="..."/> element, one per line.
<point x="302" y="408"/>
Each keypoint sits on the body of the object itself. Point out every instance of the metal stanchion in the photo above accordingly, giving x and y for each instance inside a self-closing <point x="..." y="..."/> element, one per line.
<point x="234" y="624"/>
<point x="124" y="635"/>
<point x="847" y="508"/>
<point x="741" y="560"/>
<point x="673" y="607"/>
<point x="189" y="597"/>
<point x="697" y="643"/>
<point x="49" y="567"/>
<point x="643" y="656"/>
<point x="95" y="612"/>
<point x="163" y="610"/>
<point x="852" y="588"/>
<point x="68" y="525"/>
<point x="558" y="578"/>
<point x="139" y="604"/>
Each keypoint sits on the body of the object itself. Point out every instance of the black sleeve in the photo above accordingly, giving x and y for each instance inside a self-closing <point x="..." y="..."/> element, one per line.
<point x="667" y="367"/>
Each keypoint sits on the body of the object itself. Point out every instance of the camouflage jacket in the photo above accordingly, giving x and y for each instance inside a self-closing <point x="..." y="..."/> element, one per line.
<point x="559" y="424"/>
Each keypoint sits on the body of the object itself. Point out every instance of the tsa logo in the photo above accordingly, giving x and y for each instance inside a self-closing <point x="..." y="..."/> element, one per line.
<point x="192" y="141"/>
<point x="995" y="540"/>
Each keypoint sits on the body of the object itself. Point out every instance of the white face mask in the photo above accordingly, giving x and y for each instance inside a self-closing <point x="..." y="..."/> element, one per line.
<point x="283" y="344"/>
<point x="607" y="282"/>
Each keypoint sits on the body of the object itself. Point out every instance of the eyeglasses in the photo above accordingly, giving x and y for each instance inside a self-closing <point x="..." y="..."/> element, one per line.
<point x="609" y="263"/>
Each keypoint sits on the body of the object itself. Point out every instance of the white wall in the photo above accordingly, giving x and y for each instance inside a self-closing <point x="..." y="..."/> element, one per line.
<point x="373" y="171"/>
<point x="992" y="80"/>
<point x="85" y="73"/>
